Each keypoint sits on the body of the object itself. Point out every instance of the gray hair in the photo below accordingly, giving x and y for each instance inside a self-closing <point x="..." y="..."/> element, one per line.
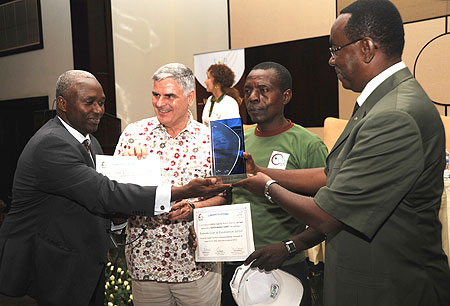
<point x="66" y="80"/>
<point x="179" y="72"/>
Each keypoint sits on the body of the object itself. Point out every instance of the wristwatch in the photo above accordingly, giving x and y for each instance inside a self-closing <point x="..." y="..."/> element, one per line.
<point x="266" y="190"/>
<point x="290" y="247"/>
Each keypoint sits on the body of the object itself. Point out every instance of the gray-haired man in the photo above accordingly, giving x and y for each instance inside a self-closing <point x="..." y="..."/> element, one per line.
<point x="161" y="264"/>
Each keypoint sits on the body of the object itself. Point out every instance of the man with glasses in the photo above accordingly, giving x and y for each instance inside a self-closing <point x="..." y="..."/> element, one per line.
<point x="379" y="196"/>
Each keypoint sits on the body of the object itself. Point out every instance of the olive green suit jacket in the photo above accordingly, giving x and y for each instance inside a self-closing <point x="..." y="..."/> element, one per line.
<point x="384" y="183"/>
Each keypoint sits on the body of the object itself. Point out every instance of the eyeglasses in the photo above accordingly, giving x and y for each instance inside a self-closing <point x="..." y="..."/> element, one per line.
<point x="334" y="50"/>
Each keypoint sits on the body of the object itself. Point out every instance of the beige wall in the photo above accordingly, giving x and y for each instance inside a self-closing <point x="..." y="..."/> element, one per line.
<point x="432" y="69"/>
<point x="253" y="24"/>
<point x="34" y="73"/>
<point x="149" y="34"/>
<point x="276" y="21"/>
<point x="413" y="10"/>
<point x="433" y="64"/>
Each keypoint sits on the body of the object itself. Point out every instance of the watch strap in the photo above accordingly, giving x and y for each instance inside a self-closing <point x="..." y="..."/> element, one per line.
<point x="290" y="246"/>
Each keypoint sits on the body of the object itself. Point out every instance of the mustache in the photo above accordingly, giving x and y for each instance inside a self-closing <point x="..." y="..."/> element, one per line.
<point x="95" y="117"/>
<point x="255" y="109"/>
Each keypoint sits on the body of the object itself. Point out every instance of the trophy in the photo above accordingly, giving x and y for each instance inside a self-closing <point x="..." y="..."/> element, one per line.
<point x="227" y="146"/>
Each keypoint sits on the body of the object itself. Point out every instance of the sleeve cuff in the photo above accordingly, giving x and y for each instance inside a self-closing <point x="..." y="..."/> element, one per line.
<point x="162" y="199"/>
<point x="118" y="227"/>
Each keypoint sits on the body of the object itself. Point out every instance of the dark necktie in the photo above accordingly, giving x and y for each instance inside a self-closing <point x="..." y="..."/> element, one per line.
<point x="355" y="108"/>
<point x="86" y="145"/>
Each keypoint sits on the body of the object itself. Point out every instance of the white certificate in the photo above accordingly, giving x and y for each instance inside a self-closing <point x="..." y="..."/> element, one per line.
<point x="224" y="233"/>
<point x="129" y="169"/>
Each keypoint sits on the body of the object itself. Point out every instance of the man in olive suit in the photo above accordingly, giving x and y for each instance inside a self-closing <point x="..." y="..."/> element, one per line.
<point x="379" y="195"/>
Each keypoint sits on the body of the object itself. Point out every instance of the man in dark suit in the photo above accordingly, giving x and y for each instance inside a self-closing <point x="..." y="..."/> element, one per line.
<point x="378" y="198"/>
<point x="54" y="240"/>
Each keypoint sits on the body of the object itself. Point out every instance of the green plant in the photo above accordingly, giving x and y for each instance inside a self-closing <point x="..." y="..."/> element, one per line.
<point x="117" y="286"/>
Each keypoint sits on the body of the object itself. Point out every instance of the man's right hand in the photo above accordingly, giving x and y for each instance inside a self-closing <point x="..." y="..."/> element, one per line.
<point x="199" y="187"/>
<point x="138" y="151"/>
<point x="269" y="257"/>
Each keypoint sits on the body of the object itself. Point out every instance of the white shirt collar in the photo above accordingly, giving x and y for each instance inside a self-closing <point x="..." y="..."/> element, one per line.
<point x="78" y="136"/>
<point x="376" y="81"/>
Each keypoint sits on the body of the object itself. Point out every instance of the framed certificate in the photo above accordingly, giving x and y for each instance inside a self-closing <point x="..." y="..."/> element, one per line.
<point x="224" y="233"/>
<point x="227" y="146"/>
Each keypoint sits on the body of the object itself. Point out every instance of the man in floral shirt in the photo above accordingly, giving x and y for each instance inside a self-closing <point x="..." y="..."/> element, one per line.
<point x="161" y="264"/>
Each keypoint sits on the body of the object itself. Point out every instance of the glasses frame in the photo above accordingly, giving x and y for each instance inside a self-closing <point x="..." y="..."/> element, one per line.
<point x="334" y="50"/>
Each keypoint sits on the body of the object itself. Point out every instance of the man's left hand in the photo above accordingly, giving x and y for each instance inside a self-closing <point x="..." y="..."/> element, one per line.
<point x="180" y="210"/>
<point x="192" y="239"/>
<point x="254" y="183"/>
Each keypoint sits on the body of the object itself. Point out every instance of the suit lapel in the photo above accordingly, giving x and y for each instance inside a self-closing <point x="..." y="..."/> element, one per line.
<point x="379" y="92"/>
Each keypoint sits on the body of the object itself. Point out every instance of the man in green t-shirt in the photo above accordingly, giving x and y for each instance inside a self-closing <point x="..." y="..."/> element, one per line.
<point x="276" y="143"/>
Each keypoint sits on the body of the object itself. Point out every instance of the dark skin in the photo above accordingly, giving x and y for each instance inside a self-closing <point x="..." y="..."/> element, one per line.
<point x="358" y="63"/>
<point x="82" y="108"/>
<point x="264" y="99"/>
<point x="355" y="66"/>
<point x="265" y="103"/>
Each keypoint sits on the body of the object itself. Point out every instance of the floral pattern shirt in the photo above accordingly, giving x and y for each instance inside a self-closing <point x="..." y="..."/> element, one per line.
<point x="162" y="253"/>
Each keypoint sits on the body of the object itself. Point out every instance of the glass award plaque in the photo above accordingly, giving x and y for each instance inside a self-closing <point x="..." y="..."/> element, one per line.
<point x="227" y="146"/>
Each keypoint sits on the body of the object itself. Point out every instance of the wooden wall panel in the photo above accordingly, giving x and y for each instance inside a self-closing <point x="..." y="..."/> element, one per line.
<point x="93" y="51"/>
<point x="256" y="22"/>
<point x="412" y="10"/>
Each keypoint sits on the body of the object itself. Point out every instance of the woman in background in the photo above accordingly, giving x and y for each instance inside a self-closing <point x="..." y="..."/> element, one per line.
<point x="224" y="102"/>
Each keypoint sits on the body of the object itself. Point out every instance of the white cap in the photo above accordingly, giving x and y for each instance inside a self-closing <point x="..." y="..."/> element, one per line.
<point x="254" y="287"/>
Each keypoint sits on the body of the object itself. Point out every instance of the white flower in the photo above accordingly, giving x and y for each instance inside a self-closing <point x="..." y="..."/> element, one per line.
<point x="110" y="304"/>
<point x="112" y="277"/>
<point x="125" y="283"/>
<point x="119" y="269"/>
<point x="128" y="288"/>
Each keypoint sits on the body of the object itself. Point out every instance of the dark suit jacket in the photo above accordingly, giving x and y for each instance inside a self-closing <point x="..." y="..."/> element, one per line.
<point x="384" y="182"/>
<point x="54" y="240"/>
